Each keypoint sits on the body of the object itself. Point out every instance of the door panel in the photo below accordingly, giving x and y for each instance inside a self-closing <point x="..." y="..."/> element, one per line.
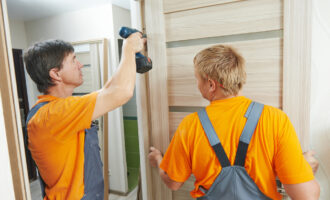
<point x="263" y="66"/>
<point x="254" y="27"/>
<point x="224" y="19"/>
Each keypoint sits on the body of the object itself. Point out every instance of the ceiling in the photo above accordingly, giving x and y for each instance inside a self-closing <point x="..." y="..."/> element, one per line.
<point x="35" y="9"/>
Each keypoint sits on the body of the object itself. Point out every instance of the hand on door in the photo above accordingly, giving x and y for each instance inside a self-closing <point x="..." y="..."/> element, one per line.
<point x="309" y="156"/>
<point x="155" y="157"/>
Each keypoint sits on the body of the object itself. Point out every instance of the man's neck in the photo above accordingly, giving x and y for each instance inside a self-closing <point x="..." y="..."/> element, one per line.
<point x="60" y="91"/>
<point x="220" y="96"/>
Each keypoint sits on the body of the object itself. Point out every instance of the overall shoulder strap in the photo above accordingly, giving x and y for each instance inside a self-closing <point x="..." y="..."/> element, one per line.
<point x="213" y="138"/>
<point x="252" y="114"/>
<point x="31" y="113"/>
<point x="34" y="110"/>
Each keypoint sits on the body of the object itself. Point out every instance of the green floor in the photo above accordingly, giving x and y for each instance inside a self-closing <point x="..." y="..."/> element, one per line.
<point x="132" y="151"/>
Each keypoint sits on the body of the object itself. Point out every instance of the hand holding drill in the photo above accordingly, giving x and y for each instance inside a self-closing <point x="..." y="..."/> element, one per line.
<point x="143" y="63"/>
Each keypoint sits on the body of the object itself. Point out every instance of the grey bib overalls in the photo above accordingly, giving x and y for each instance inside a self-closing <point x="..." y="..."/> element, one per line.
<point x="233" y="182"/>
<point x="93" y="173"/>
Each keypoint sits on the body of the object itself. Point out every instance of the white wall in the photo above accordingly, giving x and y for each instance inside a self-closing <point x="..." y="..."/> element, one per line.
<point x="124" y="19"/>
<point x="6" y="181"/>
<point x="18" y="40"/>
<point x="93" y="23"/>
<point x="17" y="33"/>
<point x="320" y="92"/>
<point x="74" y="26"/>
<point x="121" y="18"/>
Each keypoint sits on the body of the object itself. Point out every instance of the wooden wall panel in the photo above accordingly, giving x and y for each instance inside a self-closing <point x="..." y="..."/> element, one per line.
<point x="174" y="120"/>
<point x="184" y="192"/>
<point x="225" y="19"/>
<point x="190" y="20"/>
<point x="263" y="65"/>
<point x="179" y="5"/>
<point x="297" y="67"/>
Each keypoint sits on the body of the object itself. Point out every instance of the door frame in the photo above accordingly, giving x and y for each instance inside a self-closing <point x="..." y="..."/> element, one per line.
<point x="11" y="111"/>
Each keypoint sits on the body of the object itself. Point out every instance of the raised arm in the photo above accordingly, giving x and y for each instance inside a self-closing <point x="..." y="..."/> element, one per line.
<point x="119" y="89"/>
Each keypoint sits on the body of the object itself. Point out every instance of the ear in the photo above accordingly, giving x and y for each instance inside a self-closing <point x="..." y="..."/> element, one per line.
<point x="53" y="73"/>
<point x="212" y="85"/>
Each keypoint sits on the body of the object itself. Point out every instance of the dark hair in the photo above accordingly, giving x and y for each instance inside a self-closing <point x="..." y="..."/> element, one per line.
<point x="41" y="57"/>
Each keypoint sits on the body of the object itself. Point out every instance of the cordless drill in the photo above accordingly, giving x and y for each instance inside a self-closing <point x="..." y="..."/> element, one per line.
<point x="143" y="63"/>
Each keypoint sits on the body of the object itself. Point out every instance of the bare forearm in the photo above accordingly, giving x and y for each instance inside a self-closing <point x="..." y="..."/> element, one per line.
<point x="303" y="191"/>
<point x="119" y="89"/>
<point x="124" y="78"/>
<point x="173" y="185"/>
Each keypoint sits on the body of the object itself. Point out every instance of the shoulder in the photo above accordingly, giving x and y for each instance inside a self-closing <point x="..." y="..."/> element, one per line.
<point x="189" y="119"/>
<point x="187" y="125"/>
<point x="91" y="95"/>
<point x="274" y="113"/>
<point x="61" y="108"/>
<point x="276" y="120"/>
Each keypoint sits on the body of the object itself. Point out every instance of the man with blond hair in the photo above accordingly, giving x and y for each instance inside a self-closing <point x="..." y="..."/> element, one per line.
<point x="234" y="147"/>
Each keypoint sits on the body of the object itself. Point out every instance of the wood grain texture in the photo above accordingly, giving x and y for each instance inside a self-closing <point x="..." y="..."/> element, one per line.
<point x="263" y="65"/>
<point x="174" y="120"/>
<point x="297" y="70"/>
<point x="184" y="192"/>
<point x="105" y="125"/>
<point x="143" y="111"/>
<point x="11" y="112"/>
<point x="225" y="19"/>
<point x="154" y="20"/>
<point x="180" y="5"/>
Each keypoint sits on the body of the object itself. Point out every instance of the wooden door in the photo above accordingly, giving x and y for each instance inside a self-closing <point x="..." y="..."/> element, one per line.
<point x="263" y="31"/>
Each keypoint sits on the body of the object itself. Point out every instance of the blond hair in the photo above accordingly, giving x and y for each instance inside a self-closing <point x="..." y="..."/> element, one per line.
<point x="223" y="64"/>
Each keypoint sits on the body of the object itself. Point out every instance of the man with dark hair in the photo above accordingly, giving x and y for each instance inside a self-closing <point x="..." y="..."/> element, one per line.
<point x="44" y="56"/>
<point x="234" y="147"/>
<point x="61" y="139"/>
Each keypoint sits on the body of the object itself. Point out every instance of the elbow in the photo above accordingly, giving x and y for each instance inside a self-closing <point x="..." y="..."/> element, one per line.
<point x="127" y="94"/>
<point x="317" y="190"/>
<point x="314" y="190"/>
<point x="174" y="187"/>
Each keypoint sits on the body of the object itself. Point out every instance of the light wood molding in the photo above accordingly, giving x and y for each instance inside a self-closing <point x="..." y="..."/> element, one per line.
<point x="297" y="66"/>
<point x="11" y="112"/>
<point x="263" y="65"/>
<point x="225" y="19"/>
<point x="155" y="30"/>
<point x="180" y="5"/>
<point x="105" y="123"/>
<point x="143" y="110"/>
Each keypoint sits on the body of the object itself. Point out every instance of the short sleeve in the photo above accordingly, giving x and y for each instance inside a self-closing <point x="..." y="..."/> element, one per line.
<point x="67" y="116"/>
<point x="290" y="164"/>
<point x="176" y="162"/>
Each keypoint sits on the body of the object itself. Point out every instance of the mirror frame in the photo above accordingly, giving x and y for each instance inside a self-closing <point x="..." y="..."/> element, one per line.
<point x="105" y="139"/>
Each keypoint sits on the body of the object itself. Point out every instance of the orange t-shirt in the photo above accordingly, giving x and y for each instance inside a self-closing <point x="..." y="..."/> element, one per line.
<point x="274" y="149"/>
<point x="56" y="141"/>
